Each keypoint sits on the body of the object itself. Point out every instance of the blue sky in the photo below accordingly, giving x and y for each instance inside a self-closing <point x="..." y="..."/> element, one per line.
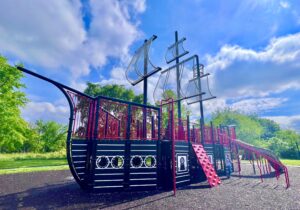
<point x="251" y="48"/>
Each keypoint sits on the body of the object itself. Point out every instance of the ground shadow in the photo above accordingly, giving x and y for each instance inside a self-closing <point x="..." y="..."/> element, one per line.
<point x="255" y="176"/>
<point x="64" y="195"/>
<point x="194" y="187"/>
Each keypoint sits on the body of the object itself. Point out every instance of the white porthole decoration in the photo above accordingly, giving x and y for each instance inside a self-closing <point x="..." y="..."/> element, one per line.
<point x="136" y="161"/>
<point x="150" y="161"/>
<point x="102" y="162"/>
<point x="117" y="162"/>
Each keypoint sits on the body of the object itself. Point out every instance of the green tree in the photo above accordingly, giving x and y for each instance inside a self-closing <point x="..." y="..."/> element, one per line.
<point x="114" y="91"/>
<point x="169" y="94"/>
<point x="52" y="136"/>
<point x="31" y="141"/>
<point x="13" y="128"/>
<point x="270" y="128"/>
<point x="277" y="145"/>
<point x="261" y="132"/>
<point x="289" y="142"/>
<point x="247" y="129"/>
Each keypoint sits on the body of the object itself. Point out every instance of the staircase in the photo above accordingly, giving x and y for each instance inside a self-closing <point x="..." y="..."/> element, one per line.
<point x="207" y="167"/>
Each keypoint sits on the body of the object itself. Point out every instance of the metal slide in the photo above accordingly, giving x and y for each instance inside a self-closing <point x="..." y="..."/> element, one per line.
<point x="265" y="159"/>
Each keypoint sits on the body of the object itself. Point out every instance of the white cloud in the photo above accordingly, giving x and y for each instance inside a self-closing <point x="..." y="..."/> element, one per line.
<point x="137" y="5"/>
<point x="116" y="76"/>
<point x="240" y="72"/>
<point x="41" y="32"/>
<point x="284" y="4"/>
<point x="287" y="122"/>
<point x="248" y="106"/>
<point x="209" y="107"/>
<point x="51" y="34"/>
<point x="46" y="111"/>
<point x="213" y="105"/>
<point x="257" y="105"/>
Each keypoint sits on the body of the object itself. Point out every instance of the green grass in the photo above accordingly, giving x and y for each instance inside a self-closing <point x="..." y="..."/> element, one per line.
<point x="33" y="169"/>
<point x="31" y="162"/>
<point x="286" y="162"/>
<point x="290" y="162"/>
<point x="27" y="156"/>
<point x="8" y="164"/>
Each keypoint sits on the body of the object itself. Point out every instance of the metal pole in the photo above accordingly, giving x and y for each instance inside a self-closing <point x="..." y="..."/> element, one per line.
<point x="106" y="125"/>
<point x="173" y="150"/>
<point x="253" y="163"/>
<point x="152" y="128"/>
<point x="145" y="73"/>
<point x="145" y="91"/>
<point x="127" y="154"/>
<point x="194" y="135"/>
<point x="177" y="76"/>
<point x="238" y="158"/>
<point x="188" y="130"/>
<point x="214" y="146"/>
<point x="201" y="102"/>
<point x="230" y="146"/>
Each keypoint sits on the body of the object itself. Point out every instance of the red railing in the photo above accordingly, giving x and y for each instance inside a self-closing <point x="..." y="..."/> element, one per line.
<point x="112" y="120"/>
<point x="108" y="119"/>
<point x="144" y="123"/>
<point x="181" y="130"/>
<point x="195" y="133"/>
<point x="211" y="135"/>
<point x="223" y="136"/>
<point x="83" y="113"/>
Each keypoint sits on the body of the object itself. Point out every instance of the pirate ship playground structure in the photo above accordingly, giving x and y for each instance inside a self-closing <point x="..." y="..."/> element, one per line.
<point x="114" y="144"/>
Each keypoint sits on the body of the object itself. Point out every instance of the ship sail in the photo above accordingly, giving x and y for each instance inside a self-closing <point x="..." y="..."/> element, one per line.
<point x="140" y="65"/>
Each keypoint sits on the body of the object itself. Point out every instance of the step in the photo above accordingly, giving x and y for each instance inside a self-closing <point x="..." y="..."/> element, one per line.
<point x="203" y="160"/>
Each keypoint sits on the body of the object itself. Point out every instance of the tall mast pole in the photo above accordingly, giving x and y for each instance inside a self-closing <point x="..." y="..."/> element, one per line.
<point x="177" y="76"/>
<point x="200" y="102"/>
<point x="145" y="73"/>
<point x="145" y="90"/>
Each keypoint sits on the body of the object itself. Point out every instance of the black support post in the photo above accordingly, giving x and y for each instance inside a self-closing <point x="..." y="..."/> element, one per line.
<point x="201" y="102"/>
<point x="94" y="144"/>
<point x="159" y="153"/>
<point x="177" y="77"/>
<point x="127" y="151"/>
<point x="214" y="146"/>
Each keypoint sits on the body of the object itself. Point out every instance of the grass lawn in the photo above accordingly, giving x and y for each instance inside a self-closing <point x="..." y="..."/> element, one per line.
<point x="30" y="162"/>
<point x="290" y="162"/>
<point x="286" y="162"/>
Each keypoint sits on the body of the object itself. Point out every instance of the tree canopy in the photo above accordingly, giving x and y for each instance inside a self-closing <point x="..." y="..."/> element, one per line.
<point x="13" y="129"/>
<point x="114" y="91"/>
<point x="17" y="135"/>
<point x="260" y="132"/>
<point x="51" y="135"/>
<point x="247" y="129"/>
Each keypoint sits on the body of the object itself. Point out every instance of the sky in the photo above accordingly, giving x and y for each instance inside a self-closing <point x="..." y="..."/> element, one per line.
<point x="250" y="48"/>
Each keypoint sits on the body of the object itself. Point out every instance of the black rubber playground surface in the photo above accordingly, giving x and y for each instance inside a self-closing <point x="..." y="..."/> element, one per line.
<point x="57" y="190"/>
